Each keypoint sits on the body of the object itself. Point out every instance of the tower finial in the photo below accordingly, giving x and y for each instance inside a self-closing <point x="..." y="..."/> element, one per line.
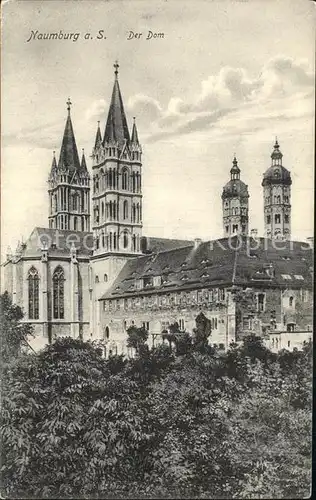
<point x="116" y="66"/>
<point x="69" y="103"/>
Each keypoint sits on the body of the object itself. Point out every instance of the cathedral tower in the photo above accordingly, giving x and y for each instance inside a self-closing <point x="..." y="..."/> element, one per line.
<point x="117" y="189"/>
<point x="277" y="198"/>
<point x="69" y="186"/>
<point x="235" y="203"/>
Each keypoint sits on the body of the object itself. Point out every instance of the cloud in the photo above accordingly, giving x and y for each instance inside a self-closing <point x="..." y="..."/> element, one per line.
<point x="145" y="108"/>
<point x="97" y="109"/>
<point x="277" y="92"/>
<point x="41" y="136"/>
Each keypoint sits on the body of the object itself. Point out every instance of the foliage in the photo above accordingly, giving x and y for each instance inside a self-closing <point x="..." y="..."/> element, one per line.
<point x="136" y="337"/>
<point x="166" y="424"/>
<point x="13" y="333"/>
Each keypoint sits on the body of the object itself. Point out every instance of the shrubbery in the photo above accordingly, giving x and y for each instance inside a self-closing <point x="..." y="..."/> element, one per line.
<point x="185" y="423"/>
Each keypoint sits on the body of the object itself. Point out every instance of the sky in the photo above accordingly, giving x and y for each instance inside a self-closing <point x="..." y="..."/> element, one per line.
<point x="226" y="78"/>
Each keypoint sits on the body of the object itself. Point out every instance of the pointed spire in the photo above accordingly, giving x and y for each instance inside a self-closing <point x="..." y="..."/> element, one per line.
<point x="83" y="161"/>
<point x="134" y="139"/>
<point x="116" y="128"/>
<point x="69" y="154"/>
<point x="98" y="137"/>
<point x="54" y="163"/>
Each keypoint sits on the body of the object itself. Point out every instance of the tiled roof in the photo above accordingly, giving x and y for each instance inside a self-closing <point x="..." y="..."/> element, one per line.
<point x="151" y="244"/>
<point x="218" y="263"/>
<point x="58" y="242"/>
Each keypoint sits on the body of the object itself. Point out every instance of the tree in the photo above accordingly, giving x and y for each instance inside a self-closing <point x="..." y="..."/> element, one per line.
<point x="137" y="338"/>
<point x="13" y="333"/>
<point x="202" y="331"/>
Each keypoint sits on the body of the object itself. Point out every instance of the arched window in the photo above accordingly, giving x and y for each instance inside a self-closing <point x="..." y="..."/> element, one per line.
<point x="134" y="242"/>
<point x="58" y="293"/>
<point x="103" y="239"/>
<point x="114" y="241"/>
<point x="75" y="223"/>
<point x="105" y="278"/>
<point x="107" y="332"/>
<point x="291" y="301"/>
<point x="102" y="210"/>
<point x="96" y="279"/>
<point x="125" y="239"/>
<point x="125" y="209"/>
<point x="33" y="292"/>
<point x="124" y="179"/>
<point x="134" y="213"/>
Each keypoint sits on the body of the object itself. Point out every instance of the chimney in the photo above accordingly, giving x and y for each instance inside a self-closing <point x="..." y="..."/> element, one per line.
<point x="254" y="233"/>
<point x="197" y="243"/>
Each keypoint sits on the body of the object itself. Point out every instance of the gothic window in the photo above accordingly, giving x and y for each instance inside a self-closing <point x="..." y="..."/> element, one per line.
<point x="235" y="228"/>
<point x="133" y="182"/>
<point x="55" y="203"/>
<point x="103" y="239"/>
<point x="75" y="223"/>
<point x="125" y="239"/>
<point x="105" y="278"/>
<point x="125" y="209"/>
<point x="268" y="219"/>
<point x="33" y="293"/>
<point x="107" y="332"/>
<point x="286" y="218"/>
<point x="227" y="229"/>
<point x="97" y="242"/>
<point x="124" y="179"/>
<point x="102" y="210"/>
<point x="278" y="199"/>
<point x="134" y="242"/>
<point x="291" y="301"/>
<point x="277" y="218"/>
<point x="58" y="293"/>
<point x="82" y="224"/>
<point x="110" y="178"/>
<point x="114" y="241"/>
<point x="286" y="199"/>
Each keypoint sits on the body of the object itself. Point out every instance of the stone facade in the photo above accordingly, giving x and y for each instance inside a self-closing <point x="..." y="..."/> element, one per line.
<point x="277" y="198"/>
<point x="235" y="204"/>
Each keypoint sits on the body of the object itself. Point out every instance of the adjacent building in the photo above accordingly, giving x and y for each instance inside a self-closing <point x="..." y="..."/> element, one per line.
<point x="94" y="278"/>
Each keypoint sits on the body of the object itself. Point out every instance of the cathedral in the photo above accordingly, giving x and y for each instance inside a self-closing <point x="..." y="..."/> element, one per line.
<point x="91" y="273"/>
